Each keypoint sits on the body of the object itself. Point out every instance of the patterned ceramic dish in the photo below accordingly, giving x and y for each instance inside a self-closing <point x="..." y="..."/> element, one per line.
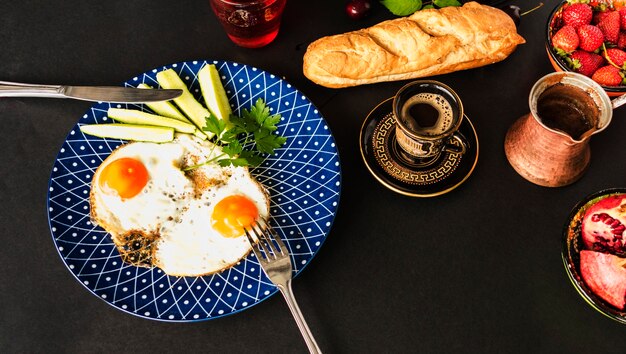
<point x="572" y="246"/>
<point x="303" y="179"/>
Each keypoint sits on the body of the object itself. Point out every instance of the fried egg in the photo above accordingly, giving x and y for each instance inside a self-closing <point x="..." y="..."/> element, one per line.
<point x="188" y="223"/>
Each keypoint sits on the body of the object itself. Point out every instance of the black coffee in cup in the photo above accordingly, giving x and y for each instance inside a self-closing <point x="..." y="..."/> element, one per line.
<point x="427" y="114"/>
<point x="428" y="117"/>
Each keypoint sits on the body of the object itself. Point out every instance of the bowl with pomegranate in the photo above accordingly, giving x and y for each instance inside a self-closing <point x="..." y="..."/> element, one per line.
<point x="594" y="251"/>
<point x="589" y="37"/>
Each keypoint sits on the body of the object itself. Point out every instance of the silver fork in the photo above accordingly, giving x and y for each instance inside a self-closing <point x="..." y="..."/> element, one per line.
<point x="276" y="263"/>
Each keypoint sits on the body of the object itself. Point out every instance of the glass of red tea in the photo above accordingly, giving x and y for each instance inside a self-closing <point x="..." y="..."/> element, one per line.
<point x="249" y="23"/>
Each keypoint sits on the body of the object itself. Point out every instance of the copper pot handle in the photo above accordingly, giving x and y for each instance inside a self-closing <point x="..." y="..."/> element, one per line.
<point x="617" y="102"/>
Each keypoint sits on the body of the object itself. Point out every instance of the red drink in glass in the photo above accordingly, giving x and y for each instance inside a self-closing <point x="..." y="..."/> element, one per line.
<point x="249" y="23"/>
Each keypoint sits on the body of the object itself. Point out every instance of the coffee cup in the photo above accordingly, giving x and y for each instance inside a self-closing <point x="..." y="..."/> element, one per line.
<point x="428" y="116"/>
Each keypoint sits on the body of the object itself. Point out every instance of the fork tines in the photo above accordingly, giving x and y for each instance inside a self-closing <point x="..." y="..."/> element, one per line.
<point x="268" y="240"/>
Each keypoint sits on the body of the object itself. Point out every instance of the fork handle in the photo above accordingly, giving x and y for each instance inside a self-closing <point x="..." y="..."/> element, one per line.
<point x="297" y="315"/>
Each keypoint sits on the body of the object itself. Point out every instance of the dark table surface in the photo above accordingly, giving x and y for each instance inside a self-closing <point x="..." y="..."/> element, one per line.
<point x="476" y="270"/>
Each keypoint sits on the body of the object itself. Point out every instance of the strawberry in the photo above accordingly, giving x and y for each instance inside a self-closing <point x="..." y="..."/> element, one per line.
<point x="586" y="63"/>
<point x="610" y="25"/>
<point x="615" y="57"/>
<point x="621" y="40"/>
<point x="622" y="17"/>
<point x="599" y="16"/>
<point x="577" y="14"/>
<point x="565" y="39"/>
<point x="591" y="37"/>
<point x="608" y="76"/>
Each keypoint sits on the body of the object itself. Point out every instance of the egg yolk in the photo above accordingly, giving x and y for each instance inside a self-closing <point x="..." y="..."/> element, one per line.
<point x="232" y="214"/>
<point x="126" y="176"/>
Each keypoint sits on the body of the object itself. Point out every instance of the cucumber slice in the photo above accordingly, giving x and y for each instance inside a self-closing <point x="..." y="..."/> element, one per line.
<point x="213" y="92"/>
<point x="132" y="116"/>
<point x="168" y="79"/>
<point x="164" y="108"/>
<point x="200" y="134"/>
<point x="130" y="132"/>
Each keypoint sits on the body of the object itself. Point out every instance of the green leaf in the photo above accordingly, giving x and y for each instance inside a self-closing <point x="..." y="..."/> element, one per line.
<point x="237" y="121"/>
<point x="260" y="111"/>
<point x="249" y="122"/>
<point x="253" y="158"/>
<point x="231" y="135"/>
<point x="446" y="3"/>
<point x="260" y="114"/>
<point x="429" y="6"/>
<point x="240" y="161"/>
<point x="257" y="123"/>
<point x="233" y="149"/>
<point x="266" y="142"/>
<point x="214" y="125"/>
<point x="402" y="7"/>
<point x="271" y="121"/>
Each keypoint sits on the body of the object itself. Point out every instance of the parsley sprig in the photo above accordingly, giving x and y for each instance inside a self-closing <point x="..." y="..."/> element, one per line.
<point x="256" y="127"/>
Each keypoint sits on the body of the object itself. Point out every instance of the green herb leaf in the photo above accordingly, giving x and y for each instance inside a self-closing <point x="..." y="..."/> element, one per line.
<point x="253" y="158"/>
<point x="249" y="118"/>
<point x="256" y="123"/>
<point x="233" y="149"/>
<point x="240" y="161"/>
<point x="429" y="6"/>
<point x="266" y="141"/>
<point x="446" y="3"/>
<point x="259" y="117"/>
<point x="231" y="135"/>
<point x="402" y="7"/>
<point x="214" y="125"/>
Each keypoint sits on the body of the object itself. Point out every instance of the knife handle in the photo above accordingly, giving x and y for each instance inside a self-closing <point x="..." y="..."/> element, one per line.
<point x="16" y="89"/>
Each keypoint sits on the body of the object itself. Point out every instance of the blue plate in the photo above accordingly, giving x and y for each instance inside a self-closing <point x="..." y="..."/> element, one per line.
<point x="303" y="179"/>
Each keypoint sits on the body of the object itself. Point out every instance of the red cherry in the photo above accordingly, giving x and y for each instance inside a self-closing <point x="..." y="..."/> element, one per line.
<point x="357" y="9"/>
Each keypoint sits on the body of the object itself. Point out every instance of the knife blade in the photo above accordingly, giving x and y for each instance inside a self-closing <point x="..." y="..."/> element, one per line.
<point x="87" y="93"/>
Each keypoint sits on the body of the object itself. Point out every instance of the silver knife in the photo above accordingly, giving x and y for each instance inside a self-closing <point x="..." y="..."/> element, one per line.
<point x="87" y="93"/>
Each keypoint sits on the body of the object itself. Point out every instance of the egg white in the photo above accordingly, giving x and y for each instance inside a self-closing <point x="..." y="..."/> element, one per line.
<point x="172" y="214"/>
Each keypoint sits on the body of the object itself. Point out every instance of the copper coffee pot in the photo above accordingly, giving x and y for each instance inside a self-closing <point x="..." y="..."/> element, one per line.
<point x="550" y="156"/>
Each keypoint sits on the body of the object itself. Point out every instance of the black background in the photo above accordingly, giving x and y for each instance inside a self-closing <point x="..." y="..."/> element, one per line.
<point x="475" y="270"/>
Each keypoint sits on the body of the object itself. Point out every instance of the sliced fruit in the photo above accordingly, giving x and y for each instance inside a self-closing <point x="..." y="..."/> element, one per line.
<point x="193" y="109"/>
<point x="133" y="116"/>
<point x="604" y="224"/>
<point x="604" y="275"/>
<point x="213" y="92"/>
<point x="164" y="108"/>
<point x="130" y="132"/>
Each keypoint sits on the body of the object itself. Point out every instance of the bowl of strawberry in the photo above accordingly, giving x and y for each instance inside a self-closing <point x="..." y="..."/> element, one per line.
<point x="594" y="251"/>
<point x="589" y="37"/>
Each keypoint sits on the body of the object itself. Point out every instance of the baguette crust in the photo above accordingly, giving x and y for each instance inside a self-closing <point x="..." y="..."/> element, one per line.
<point x="429" y="42"/>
